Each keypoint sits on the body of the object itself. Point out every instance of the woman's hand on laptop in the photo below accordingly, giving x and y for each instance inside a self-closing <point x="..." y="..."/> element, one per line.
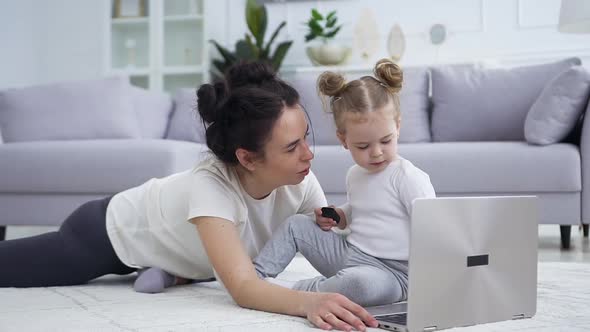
<point x="335" y="311"/>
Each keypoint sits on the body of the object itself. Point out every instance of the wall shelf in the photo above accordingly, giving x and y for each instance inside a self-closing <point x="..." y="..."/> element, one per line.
<point x="183" y="70"/>
<point x="131" y="72"/>
<point x="183" y="18"/>
<point x="163" y="51"/>
<point x="130" y="20"/>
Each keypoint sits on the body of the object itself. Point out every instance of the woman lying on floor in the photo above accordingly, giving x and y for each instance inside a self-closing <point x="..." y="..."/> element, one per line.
<point x="209" y="221"/>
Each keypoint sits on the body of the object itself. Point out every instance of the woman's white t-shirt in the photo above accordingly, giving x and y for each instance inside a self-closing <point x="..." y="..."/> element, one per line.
<point x="148" y="225"/>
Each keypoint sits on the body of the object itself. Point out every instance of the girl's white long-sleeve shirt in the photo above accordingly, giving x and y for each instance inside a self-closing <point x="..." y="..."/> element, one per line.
<point x="379" y="207"/>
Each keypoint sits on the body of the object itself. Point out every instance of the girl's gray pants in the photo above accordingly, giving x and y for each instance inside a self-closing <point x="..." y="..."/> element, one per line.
<point x="345" y="269"/>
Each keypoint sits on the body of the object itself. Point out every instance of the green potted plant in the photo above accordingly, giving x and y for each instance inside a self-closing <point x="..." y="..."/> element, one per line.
<point x="253" y="46"/>
<point x="325" y="28"/>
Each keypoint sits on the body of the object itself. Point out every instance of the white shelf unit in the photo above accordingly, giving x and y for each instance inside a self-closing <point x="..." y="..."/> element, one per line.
<point x="164" y="50"/>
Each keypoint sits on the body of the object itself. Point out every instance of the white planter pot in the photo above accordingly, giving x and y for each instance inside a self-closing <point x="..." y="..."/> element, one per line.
<point x="328" y="54"/>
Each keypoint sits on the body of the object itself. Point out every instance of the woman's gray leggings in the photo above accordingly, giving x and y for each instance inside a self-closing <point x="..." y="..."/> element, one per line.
<point x="79" y="252"/>
<point x="345" y="269"/>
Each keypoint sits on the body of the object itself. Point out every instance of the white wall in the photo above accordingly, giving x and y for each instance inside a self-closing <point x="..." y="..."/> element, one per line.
<point x="46" y="41"/>
<point x="71" y="37"/>
<point x="18" y="53"/>
<point x="509" y="31"/>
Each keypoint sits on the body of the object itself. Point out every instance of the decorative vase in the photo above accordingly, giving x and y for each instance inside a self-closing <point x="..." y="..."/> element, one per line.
<point x="366" y="35"/>
<point x="130" y="45"/>
<point x="396" y="43"/>
<point x="328" y="54"/>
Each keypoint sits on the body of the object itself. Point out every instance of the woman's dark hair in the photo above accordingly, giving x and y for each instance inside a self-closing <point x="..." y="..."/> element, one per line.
<point x="241" y="111"/>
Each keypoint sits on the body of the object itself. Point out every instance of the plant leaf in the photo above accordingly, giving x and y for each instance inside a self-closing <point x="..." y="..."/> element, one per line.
<point x="251" y="16"/>
<point x="309" y="37"/>
<point x="256" y="19"/>
<point x="316" y="28"/>
<point x="220" y="66"/>
<point x="279" y="54"/>
<point x="316" y="15"/>
<point x="266" y="49"/>
<point x="331" y="15"/>
<point x="226" y="54"/>
<point x="332" y="33"/>
<point x="244" y="51"/>
<point x="263" y="25"/>
<point x="331" y="22"/>
<point x="253" y="48"/>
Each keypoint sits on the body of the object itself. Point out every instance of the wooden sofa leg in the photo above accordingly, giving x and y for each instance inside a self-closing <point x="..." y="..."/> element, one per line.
<point x="566" y="231"/>
<point x="2" y="233"/>
<point x="585" y="229"/>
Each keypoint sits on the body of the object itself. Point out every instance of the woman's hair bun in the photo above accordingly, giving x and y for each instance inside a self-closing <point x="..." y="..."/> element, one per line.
<point x="390" y="74"/>
<point x="208" y="98"/>
<point x="248" y="74"/>
<point x="331" y="84"/>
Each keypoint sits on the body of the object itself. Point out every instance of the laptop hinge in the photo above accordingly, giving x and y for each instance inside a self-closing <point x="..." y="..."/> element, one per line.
<point x="519" y="316"/>
<point x="430" y="328"/>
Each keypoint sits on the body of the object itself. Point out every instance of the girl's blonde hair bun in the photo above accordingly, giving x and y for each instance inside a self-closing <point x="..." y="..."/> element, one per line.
<point x="390" y="74"/>
<point x="331" y="84"/>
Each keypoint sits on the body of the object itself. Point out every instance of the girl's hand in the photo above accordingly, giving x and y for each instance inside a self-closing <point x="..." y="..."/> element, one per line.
<point x="334" y="311"/>
<point x="325" y="223"/>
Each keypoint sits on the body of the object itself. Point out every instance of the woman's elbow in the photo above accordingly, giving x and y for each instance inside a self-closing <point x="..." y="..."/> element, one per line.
<point x="244" y="300"/>
<point x="238" y="298"/>
<point x="241" y="296"/>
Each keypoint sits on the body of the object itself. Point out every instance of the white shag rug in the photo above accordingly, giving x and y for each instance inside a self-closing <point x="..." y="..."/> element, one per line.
<point x="110" y="304"/>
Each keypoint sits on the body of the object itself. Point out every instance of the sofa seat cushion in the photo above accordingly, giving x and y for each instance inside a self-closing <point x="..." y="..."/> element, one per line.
<point x="472" y="168"/>
<point x="91" y="166"/>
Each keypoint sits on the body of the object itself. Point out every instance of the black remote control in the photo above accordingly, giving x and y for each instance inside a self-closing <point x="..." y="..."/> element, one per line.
<point x="329" y="212"/>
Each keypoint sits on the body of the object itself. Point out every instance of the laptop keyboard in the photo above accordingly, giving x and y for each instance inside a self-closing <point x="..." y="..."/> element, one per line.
<point x="400" y="318"/>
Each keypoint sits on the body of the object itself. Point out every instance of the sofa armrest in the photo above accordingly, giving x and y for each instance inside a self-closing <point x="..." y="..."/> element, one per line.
<point x="585" y="158"/>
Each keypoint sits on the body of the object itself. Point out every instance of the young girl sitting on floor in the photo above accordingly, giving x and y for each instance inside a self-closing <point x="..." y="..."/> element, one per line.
<point x="369" y="266"/>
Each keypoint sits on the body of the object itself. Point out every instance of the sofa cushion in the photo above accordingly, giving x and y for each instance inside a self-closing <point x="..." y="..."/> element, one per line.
<point x="322" y="121"/>
<point x="481" y="104"/>
<point x="91" y="166"/>
<point x="153" y="111"/>
<point x="414" y="106"/>
<point x="471" y="168"/>
<point x="185" y="123"/>
<point x="71" y="110"/>
<point x="413" y="99"/>
<point x="559" y="107"/>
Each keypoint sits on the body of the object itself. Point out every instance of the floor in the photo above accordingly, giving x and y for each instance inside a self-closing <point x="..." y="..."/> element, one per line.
<point x="110" y="304"/>
<point x="549" y="246"/>
<point x="549" y="242"/>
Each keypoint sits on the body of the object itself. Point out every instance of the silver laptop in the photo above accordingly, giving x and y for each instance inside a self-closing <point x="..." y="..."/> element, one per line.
<point x="473" y="260"/>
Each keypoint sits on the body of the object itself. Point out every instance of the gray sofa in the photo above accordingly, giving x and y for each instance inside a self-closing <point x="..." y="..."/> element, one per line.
<point x="50" y="165"/>
<point x="464" y="125"/>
